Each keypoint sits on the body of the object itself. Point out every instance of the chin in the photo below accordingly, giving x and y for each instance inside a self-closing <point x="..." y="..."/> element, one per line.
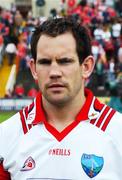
<point x="57" y="101"/>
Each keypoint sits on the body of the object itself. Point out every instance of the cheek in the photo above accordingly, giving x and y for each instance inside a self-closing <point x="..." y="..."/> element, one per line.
<point x="41" y="78"/>
<point x="76" y="73"/>
<point x="75" y="77"/>
<point x="40" y="73"/>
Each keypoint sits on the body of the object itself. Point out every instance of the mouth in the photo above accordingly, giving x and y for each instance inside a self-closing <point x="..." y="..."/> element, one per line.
<point x="56" y="86"/>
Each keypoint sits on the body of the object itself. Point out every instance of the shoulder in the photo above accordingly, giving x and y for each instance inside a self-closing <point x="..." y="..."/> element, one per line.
<point x="114" y="128"/>
<point x="10" y="131"/>
<point x="18" y="124"/>
<point x="11" y="125"/>
<point x="109" y="121"/>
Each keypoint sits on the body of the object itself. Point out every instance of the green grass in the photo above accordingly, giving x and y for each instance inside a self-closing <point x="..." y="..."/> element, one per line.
<point x="4" y="115"/>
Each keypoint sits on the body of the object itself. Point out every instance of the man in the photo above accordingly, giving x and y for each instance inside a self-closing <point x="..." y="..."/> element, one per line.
<point x="66" y="133"/>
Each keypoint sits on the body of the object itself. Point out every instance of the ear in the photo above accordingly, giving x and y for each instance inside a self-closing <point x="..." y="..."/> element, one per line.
<point x="87" y="67"/>
<point x="33" y="69"/>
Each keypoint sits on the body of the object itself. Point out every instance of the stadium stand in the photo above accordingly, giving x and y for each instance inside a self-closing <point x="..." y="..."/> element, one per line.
<point x="4" y="75"/>
<point x="105" y="24"/>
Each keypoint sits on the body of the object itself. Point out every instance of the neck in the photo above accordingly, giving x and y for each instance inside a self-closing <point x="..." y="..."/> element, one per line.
<point x="61" y="117"/>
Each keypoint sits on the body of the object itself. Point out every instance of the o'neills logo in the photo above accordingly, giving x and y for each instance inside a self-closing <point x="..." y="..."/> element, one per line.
<point x="59" y="152"/>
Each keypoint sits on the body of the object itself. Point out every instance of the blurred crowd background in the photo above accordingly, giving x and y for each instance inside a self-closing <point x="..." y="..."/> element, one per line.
<point x="102" y="17"/>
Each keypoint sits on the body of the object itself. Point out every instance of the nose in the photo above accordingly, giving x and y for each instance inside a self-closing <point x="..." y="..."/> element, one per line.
<point x="55" y="71"/>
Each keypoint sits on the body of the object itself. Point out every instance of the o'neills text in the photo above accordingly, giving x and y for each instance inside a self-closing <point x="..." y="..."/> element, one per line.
<point x="59" y="152"/>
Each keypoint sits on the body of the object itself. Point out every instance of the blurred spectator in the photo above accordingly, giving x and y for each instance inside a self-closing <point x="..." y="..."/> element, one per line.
<point x="13" y="8"/>
<point x="53" y="12"/>
<point x="11" y="52"/>
<point x="116" y="28"/>
<point x="22" y="52"/>
<point x="111" y="76"/>
<point x="62" y="9"/>
<point x="32" y="93"/>
<point x="112" y="13"/>
<point x="95" y="49"/>
<point x="100" y="72"/>
<point x="98" y="51"/>
<point x="109" y="48"/>
<point x="18" y="19"/>
<point x="118" y="7"/>
<point x="19" y="91"/>
<point x="106" y="32"/>
<point x="99" y="33"/>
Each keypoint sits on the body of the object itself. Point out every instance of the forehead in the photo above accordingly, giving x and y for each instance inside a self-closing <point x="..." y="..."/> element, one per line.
<point x="64" y="43"/>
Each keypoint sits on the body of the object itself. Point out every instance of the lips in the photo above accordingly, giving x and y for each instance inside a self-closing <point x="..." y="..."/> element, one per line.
<point x="56" y="85"/>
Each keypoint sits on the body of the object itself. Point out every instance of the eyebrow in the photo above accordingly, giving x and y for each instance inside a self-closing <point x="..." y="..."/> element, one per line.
<point x="59" y="60"/>
<point x="43" y="60"/>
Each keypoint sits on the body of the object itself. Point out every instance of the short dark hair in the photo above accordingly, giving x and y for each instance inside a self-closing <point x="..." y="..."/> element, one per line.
<point x="58" y="26"/>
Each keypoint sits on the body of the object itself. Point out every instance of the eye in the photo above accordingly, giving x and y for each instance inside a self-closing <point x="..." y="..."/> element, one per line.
<point x="44" y="61"/>
<point x="65" y="61"/>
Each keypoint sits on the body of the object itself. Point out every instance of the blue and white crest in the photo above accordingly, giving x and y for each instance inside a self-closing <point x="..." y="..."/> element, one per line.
<point x="92" y="164"/>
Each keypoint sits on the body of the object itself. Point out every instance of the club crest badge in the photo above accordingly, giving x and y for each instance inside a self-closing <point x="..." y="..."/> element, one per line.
<point x="92" y="164"/>
<point x="29" y="164"/>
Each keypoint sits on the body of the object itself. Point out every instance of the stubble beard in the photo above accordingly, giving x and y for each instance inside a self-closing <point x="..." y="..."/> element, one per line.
<point x="56" y="101"/>
<point x="63" y="101"/>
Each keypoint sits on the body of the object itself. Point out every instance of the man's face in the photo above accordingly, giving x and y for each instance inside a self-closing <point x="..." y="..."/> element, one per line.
<point x="57" y="68"/>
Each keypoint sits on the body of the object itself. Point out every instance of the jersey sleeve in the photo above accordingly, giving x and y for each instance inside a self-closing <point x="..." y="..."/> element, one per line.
<point x="9" y="131"/>
<point x="4" y="175"/>
<point x="115" y="130"/>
